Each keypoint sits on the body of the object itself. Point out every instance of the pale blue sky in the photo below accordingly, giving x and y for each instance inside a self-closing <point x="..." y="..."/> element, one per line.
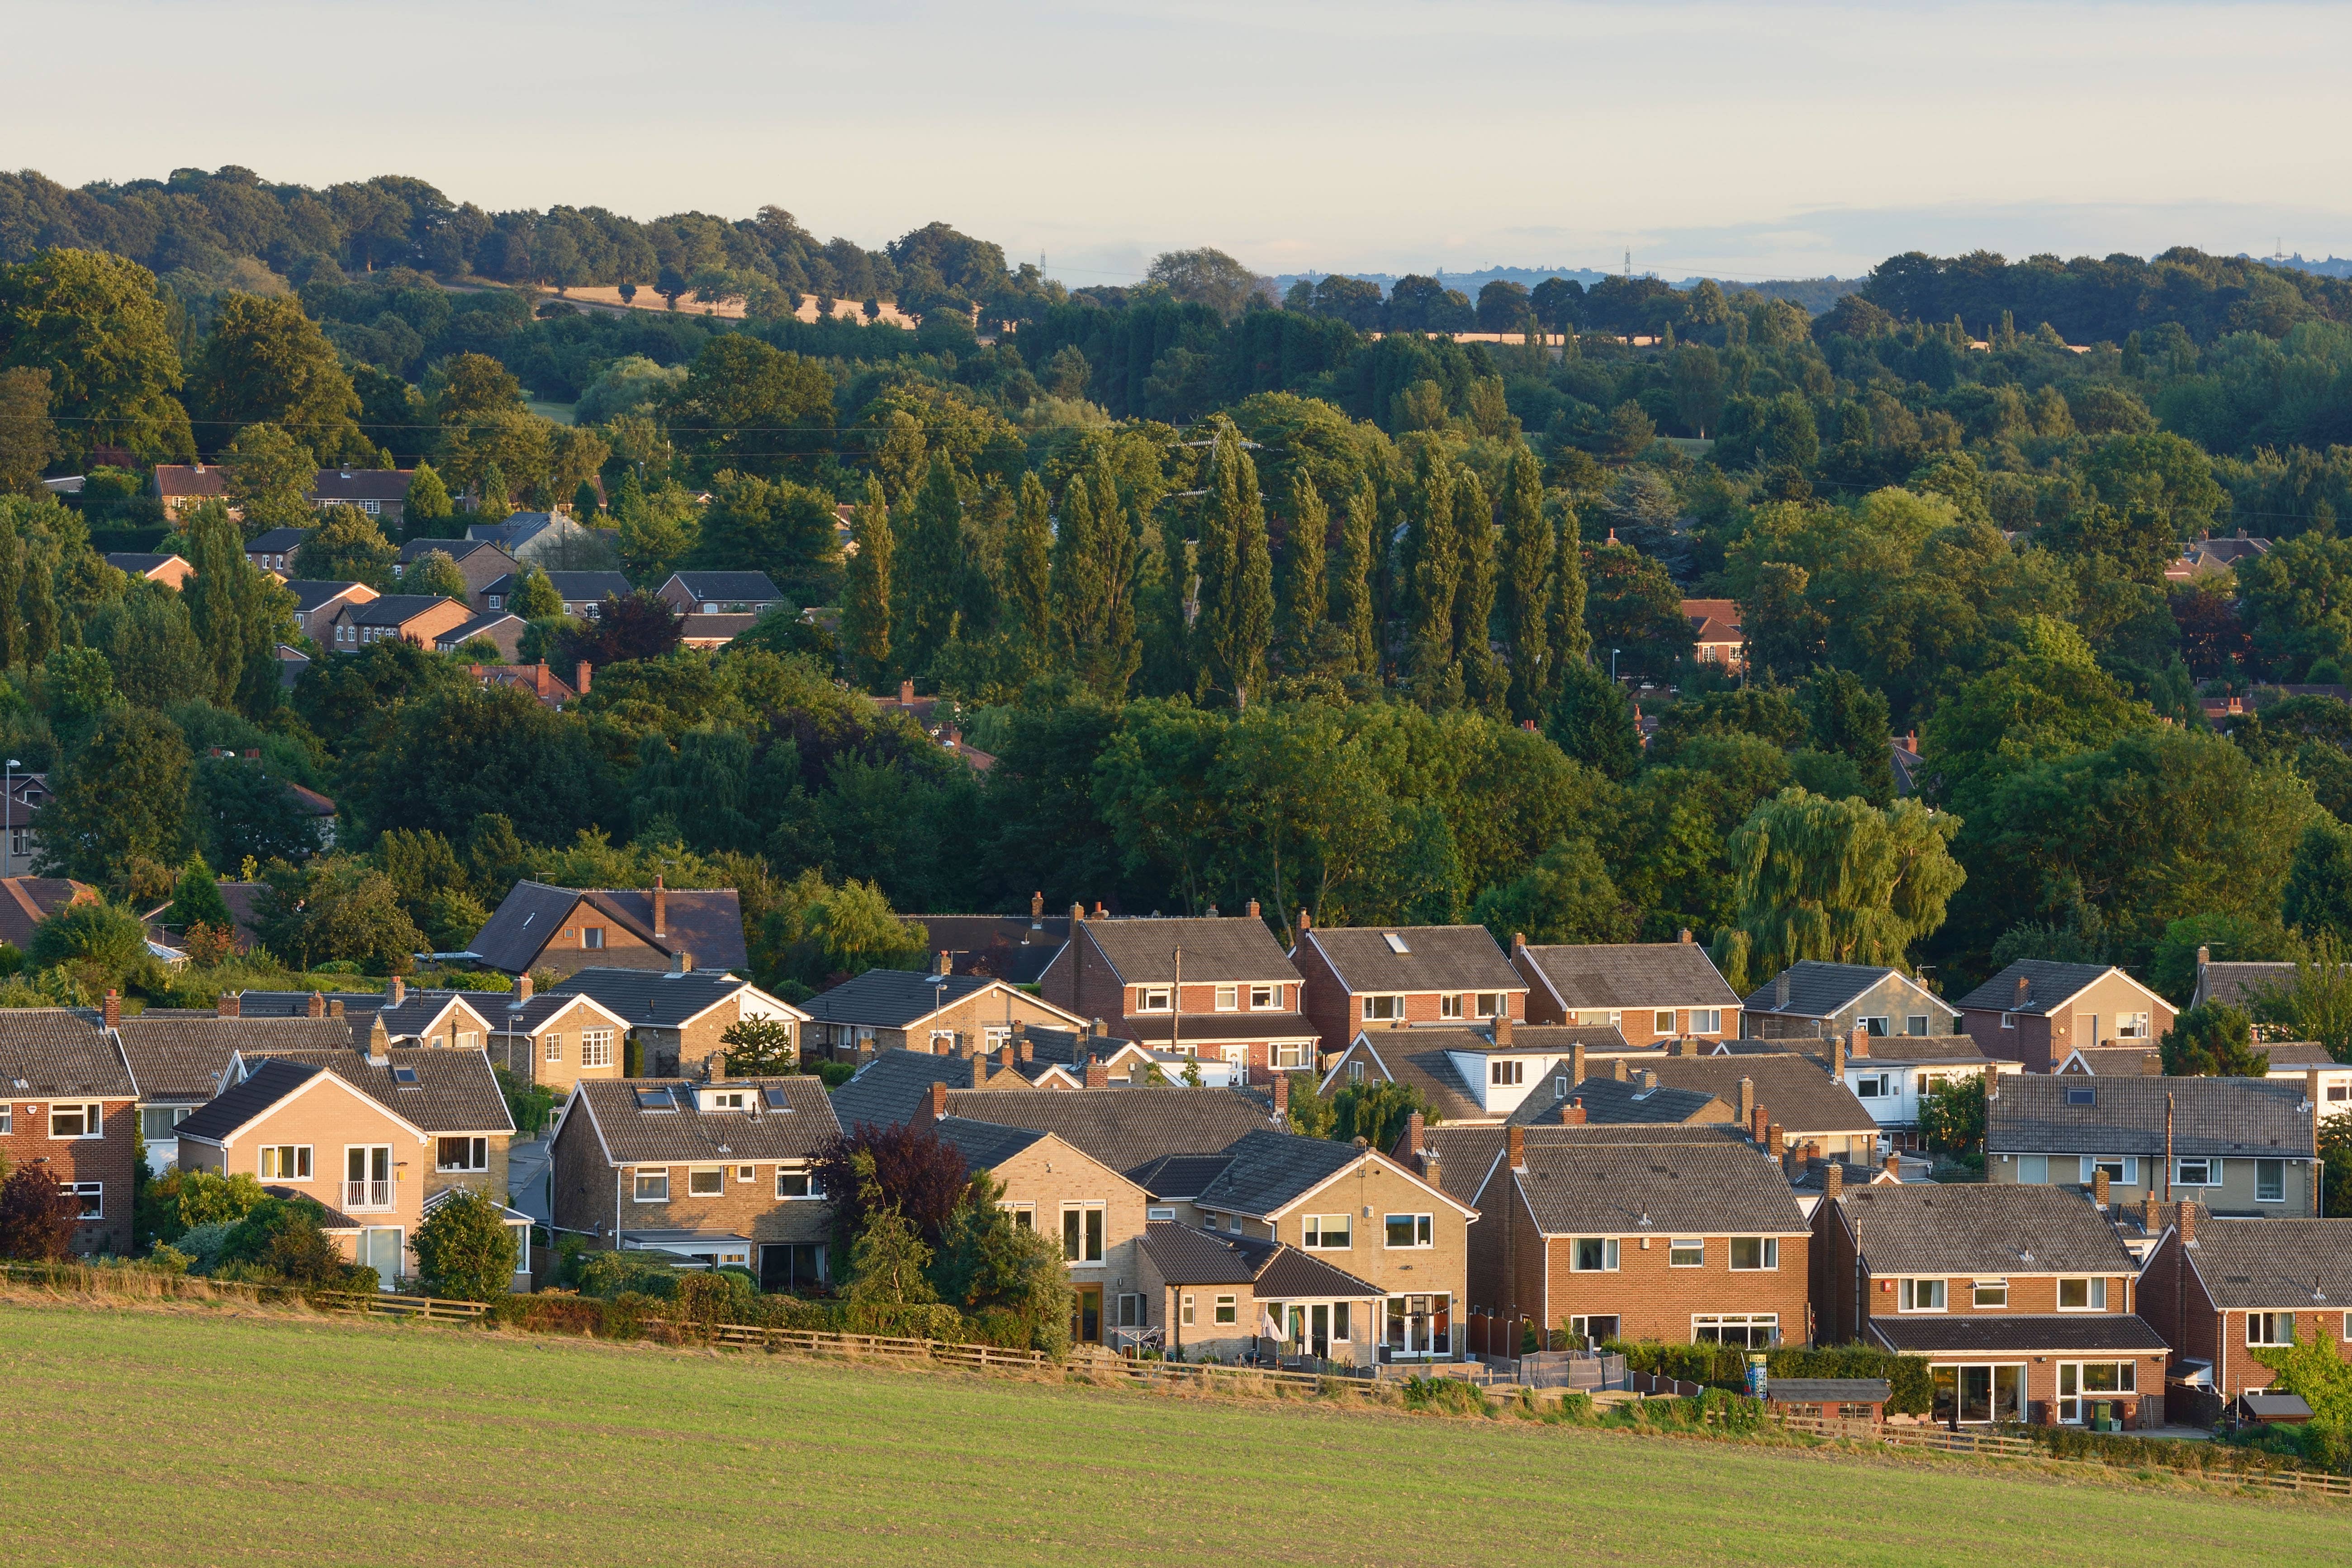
<point x="1746" y="140"/>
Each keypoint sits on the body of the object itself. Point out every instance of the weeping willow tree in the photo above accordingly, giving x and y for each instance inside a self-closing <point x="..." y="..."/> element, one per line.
<point x="1839" y="880"/>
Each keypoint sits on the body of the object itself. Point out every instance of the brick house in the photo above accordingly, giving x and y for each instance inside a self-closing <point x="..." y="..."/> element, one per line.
<point x="2035" y="1012"/>
<point x="2221" y="1289"/>
<point x="2236" y="1145"/>
<point x="1214" y="987"/>
<point x="1392" y="977"/>
<point x="720" y="593"/>
<point x="1892" y="1076"/>
<point x="1499" y="1073"/>
<point x="1647" y="991"/>
<point x="182" y="1059"/>
<point x="902" y="1009"/>
<point x="317" y="602"/>
<point x="1136" y="1132"/>
<point x="171" y="571"/>
<point x="583" y="593"/>
<point x="273" y="549"/>
<point x="381" y="493"/>
<point x="1812" y="1000"/>
<point x="677" y="1018"/>
<point x="1799" y="1095"/>
<point x="553" y="1041"/>
<point x="411" y="617"/>
<point x="67" y="1107"/>
<point x="540" y="926"/>
<point x="502" y="631"/>
<point x="2022" y="1298"/>
<point x="714" y="1169"/>
<point x="23" y="797"/>
<point x="1214" y="1296"/>
<point x="26" y="901"/>
<point x="184" y="487"/>
<point x="892" y="1088"/>
<point x="1717" y="637"/>
<point x="478" y="562"/>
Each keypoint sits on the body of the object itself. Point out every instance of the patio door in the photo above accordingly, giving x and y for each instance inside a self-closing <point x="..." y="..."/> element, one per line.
<point x="1318" y="1331"/>
<point x="379" y="1249"/>
<point x="1085" y="1323"/>
<point x="1979" y="1395"/>
<point x="367" y="1176"/>
<point x="1420" y="1326"/>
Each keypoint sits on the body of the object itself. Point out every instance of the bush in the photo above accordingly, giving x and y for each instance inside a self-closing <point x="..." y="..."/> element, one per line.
<point x="612" y="1274"/>
<point x="202" y="1243"/>
<point x="1446" y="1396"/>
<point x="1912" y="1386"/>
<point x="180" y="1199"/>
<point x="465" y="1250"/>
<point x="531" y="1105"/>
<point x="36" y="1216"/>
<point x="719" y="1296"/>
<point x="281" y="1238"/>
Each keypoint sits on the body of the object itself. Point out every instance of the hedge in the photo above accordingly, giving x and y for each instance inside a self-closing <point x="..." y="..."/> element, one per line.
<point x="1912" y="1387"/>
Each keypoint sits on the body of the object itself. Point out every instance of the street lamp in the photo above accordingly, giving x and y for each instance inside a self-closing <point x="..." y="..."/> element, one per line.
<point x="1612" y="666"/>
<point x="8" y="814"/>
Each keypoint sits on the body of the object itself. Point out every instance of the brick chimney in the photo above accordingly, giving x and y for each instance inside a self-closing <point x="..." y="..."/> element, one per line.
<point x="964" y="1048"/>
<point x="1098" y="1074"/>
<point x="1037" y="908"/>
<point x="2025" y="989"/>
<point x="335" y="1008"/>
<point x="580" y="678"/>
<point x="1572" y="1113"/>
<point x="2099" y="1188"/>
<point x="1305" y="922"/>
<point x="318" y="1006"/>
<point x="522" y="988"/>
<point x="1575" y="1064"/>
<point x="1837" y="1057"/>
<point x="397" y="990"/>
<point x="1253" y="909"/>
<point x="1518" y="941"/>
<point x="1517" y="1138"/>
<point x="230" y="1005"/>
<point x="1095" y="1030"/>
<point x="1746" y="1101"/>
<point x="1023" y="1049"/>
<point x="1617" y="1067"/>
<point x="1282" y="1094"/>
<point x="2311" y="1087"/>
<point x="1502" y="1030"/>
<point x="1833" y="1180"/>
<point x="906" y="692"/>
<point x="539" y="678"/>
<point x="2151" y="1064"/>
<point x="939" y="1101"/>
<point x="1759" y="1124"/>
<point x="1077" y="913"/>
<point x="661" y="906"/>
<point x="1649" y="1081"/>
<point x="113" y="1008"/>
<point x="1780" y="992"/>
<point x="1686" y="1046"/>
<point x="942" y="1047"/>
<point x="2151" y="1213"/>
<point x="1861" y="1041"/>
<point x="714" y="1068"/>
<point x="1687" y="936"/>
<point x="1429" y="1168"/>
<point x="1414" y="1127"/>
<point x="2188" y="1223"/>
<point x="1776" y="1141"/>
<point x="1895" y="1164"/>
<point x="379" y="1046"/>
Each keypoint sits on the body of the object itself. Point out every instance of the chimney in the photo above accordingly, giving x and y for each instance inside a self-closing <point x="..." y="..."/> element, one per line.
<point x="1098" y="1074"/>
<point x="1103" y="913"/>
<point x="1780" y="992"/>
<point x="1617" y="1067"/>
<point x="941" y="963"/>
<point x="963" y="1045"/>
<point x="2151" y="1213"/>
<point x="2024" y="988"/>
<point x="1572" y="1113"/>
<point x="1282" y="1094"/>
<point x="539" y="678"/>
<point x="1429" y="1169"/>
<point x="1776" y="1141"/>
<point x="1760" y="1126"/>
<point x="1895" y="1164"/>
<point x="2151" y="1064"/>
<point x="1649" y="1081"/>
<point x="906" y="693"/>
<point x="1414" y="1127"/>
<point x="1517" y="1137"/>
<point x="379" y="1046"/>
<point x="1686" y="1046"/>
<point x="1503" y="1025"/>
<point x="1023" y="1049"/>
<point x="1253" y="909"/>
<point x="1746" y="1101"/>
<point x="1518" y="941"/>
<point x="1833" y="1180"/>
<point x="1576" y="1065"/>
<point x="318" y="1006"/>
<point x="2188" y="1223"/>
<point x="1077" y="913"/>
<point x="1305" y="922"/>
<point x="939" y="1101"/>
<point x="397" y="991"/>
<point x="335" y="1008"/>
<point x="229" y="1005"/>
<point x="1861" y="1041"/>
<point x="1095" y="1030"/>
<point x="714" y="1068"/>
<point x="1037" y="908"/>
<point x="522" y="988"/>
<point x="1837" y="1058"/>
<point x="2099" y="1188"/>
<point x="2204" y="957"/>
<point x="941" y="1047"/>
<point x="661" y="906"/>
<point x="2311" y="1087"/>
<point x="113" y="1008"/>
<point x="1687" y="936"/>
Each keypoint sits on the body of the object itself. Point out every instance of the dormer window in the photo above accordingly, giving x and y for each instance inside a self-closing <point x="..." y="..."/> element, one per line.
<point x="1507" y="1073"/>
<point x="1487" y="1004"/>
<point x="1449" y="1005"/>
<point x="726" y="1099"/>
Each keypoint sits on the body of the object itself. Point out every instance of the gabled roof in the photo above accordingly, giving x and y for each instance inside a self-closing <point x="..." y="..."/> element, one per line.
<point x="1910" y="1050"/>
<point x="1576" y="1184"/>
<point x="278" y="541"/>
<point x="1276" y="1271"/>
<point x="1231" y="949"/>
<point x="572" y="586"/>
<point x="902" y="999"/>
<point x="1422" y="1060"/>
<point x="2119" y="1333"/>
<point x="332" y="485"/>
<point x="1633" y="974"/>
<point x="508" y="1016"/>
<point x="2048" y="987"/>
<point x="1123" y="1128"/>
<point x="983" y="1144"/>
<point x="48" y="1052"/>
<point x="745" y="587"/>
<point x="2237" y="983"/>
<point x="1267" y="1170"/>
<point x="662" y="998"/>
<point x="451" y="1091"/>
<point x="1816" y="989"/>
<point x="2034" y="1114"/>
<point x="704" y="922"/>
<point x="244" y="1102"/>
<point x="1469" y="1156"/>
<point x="455" y="549"/>
<point x="1416" y="958"/>
<point x="26" y="901"/>
<point x="1179" y="1176"/>
<point x="1611" y="1103"/>
<point x="310" y="593"/>
<point x="392" y="609"/>
<point x="896" y="1087"/>
<point x="1185" y="1256"/>
<point x="481" y="625"/>
<point x="629" y="1132"/>
<point x="181" y="1059"/>
<point x="1990" y="1229"/>
<point x="1011" y="947"/>
<point x="1797" y="1091"/>
<point x="2274" y="1265"/>
<point x="2112" y="1061"/>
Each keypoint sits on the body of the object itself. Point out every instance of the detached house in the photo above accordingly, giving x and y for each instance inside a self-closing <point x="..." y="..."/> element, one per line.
<point x="677" y="1018"/>
<point x="720" y="593"/>
<point x="899" y="1009"/>
<point x="2035" y="1012"/>
<point x="2222" y="1290"/>
<point x="381" y="493"/>
<point x="538" y="926"/>
<point x="411" y="617"/>
<point x="273" y="549"/>
<point x="1392" y="977"/>
<point x="317" y="602"/>
<point x="555" y="1040"/>
<point x="583" y="593"/>
<point x="478" y="562"/>
<point x="1812" y="1000"/>
<point x="171" y="571"/>
<point x="1142" y="1133"/>
<point x="1648" y="991"/>
<point x="67" y="1099"/>
<point x="1500" y="1073"/>
<point x="1223" y="1296"/>
<point x="183" y="1060"/>
<point x="2235" y="1145"/>
<point x="1220" y="988"/>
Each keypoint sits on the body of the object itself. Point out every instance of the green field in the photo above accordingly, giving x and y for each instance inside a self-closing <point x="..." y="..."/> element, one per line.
<point x="208" y="1435"/>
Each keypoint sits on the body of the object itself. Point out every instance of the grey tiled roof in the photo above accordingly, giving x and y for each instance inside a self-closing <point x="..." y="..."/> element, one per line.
<point x="2241" y="1116"/>
<point x="1179" y="1175"/>
<point x="1983" y="1228"/>
<point x="1438" y="958"/>
<point x="278" y="541"/>
<point x="2116" y="1061"/>
<point x="983" y="1144"/>
<point x="522" y="924"/>
<point x="896" y="1087"/>
<point x="1907" y="1049"/>
<point x="49" y="1051"/>
<point x="1123" y="1128"/>
<point x="1816" y="989"/>
<point x="392" y="609"/>
<point x="1634" y="974"/>
<point x="455" y="1091"/>
<point x="1010" y="947"/>
<point x="1467" y="1155"/>
<point x="2049" y="986"/>
<point x="1268" y="1169"/>
<point x="1797" y="1091"/>
<point x="1418" y="1059"/>
<point x="654" y="996"/>
<point x="455" y="549"/>
<point x="2273" y="1265"/>
<point x="181" y="1059"/>
<point x="1233" y="948"/>
<point x="310" y="592"/>
<point x="1576" y="1184"/>
<point x="745" y="587"/>
<point x="44" y="895"/>
<point x="2120" y="1334"/>
<point x="2237" y="983"/>
<point x="1526" y="1040"/>
<point x="704" y="922"/>
<point x="571" y="587"/>
<point x="1608" y="1102"/>
<point x="263" y="1088"/>
<point x="1286" y="1274"/>
<point x="635" y="1136"/>
<point x="1187" y="1256"/>
<point x="892" y="998"/>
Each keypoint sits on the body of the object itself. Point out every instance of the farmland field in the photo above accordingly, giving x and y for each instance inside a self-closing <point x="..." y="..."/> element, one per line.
<point x="218" y="1436"/>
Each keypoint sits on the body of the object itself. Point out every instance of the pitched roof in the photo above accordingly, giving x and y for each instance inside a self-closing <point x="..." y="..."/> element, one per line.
<point x="2048" y="986"/>
<point x="1611" y="1103"/>
<point x="983" y="1144"/>
<point x="190" y="479"/>
<point x="183" y="1058"/>
<point x="892" y="998"/>
<point x="1906" y="1050"/>
<point x="2120" y="1334"/>
<point x="694" y="628"/>
<point x="453" y="1091"/>
<point x="1123" y="1128"/>
<point x="481" y="625"/>
<point x="1817" y="989"/>
<point x="138" y="563"/>
<point x="572" y="587"/>
<point x="1983" y="1228"/>
<point x="683" y="1132"/>
<point x="896" y="1087"/>
<point x="332" y="485"/>
<point x="392" y="609"/>
<point x="242" y="1102"/>
<point x="1267" y="1169"/>
<point x="1181" y="1176"/>
<point x="516" y="1015"/>
<point x="2112" y="1061"/>
<point x="663" y="999"/>
<point x="2273" y="1265"/>
<point x="526" y="919"/>
<point x="2237" y="983"/>
<point x="1185" y="1256"/>
<point x="747" y="587"/>
<point x="1800" y="1094"/>
<point x="2034" y="1114"/>
<point x="455" y="549"/>
<point x="705" y="922"/>
<point x="47" y="1051"/>
<point x="1633" y="974"/>
<point x="1468" y="1155"/>
<point x="1284" y="1273"/>
<point x="278" y="541"/>
<point x="1227" y="947"/>
<point x="312" y="593"/>
<point x="1416" y="958"/>
<point x="1421" y="1060"/>
<point x="24" y="902"/>
<point x="1576" y="1184"/>
<point x="1011" y="947"/>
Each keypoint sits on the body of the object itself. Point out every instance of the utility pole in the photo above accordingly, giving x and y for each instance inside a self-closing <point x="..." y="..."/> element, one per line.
<point x="1176" y="1002"/>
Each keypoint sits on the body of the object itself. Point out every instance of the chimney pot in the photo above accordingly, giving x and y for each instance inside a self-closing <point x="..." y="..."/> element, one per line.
<point x="397" y="991"/>
<point x="2025" y="989"/>
<point x="1833" y="1180"/>
<point x="939" y="1101"/>
<point x="1572" y="1113"/>
<point x="2204" y="956"/>
<point x="907" y="692"/>
<point x="1025" y="1048"/>
<point x="941" y="963"/>
<point x="1103" y="913"/>
<point x="1686" y="1046"/>
<point x="1095" y="1029"/>
<point x="1429" y="1168"/>
<point x="1413" y="1128"/>
<point x="1517" y="1138"/>
<point x="1098" y="1074"/>
<point x="1037" y="906"/>
<point x="714" y="1068"/>
<point x="114" y="1012"/>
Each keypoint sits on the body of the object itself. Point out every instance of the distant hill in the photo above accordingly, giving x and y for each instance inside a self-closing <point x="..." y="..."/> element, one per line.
<point x="1816" y="294"/>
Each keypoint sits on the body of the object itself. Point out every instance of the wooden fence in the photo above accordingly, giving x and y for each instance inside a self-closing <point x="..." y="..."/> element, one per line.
<point x="2001" y="1446"/>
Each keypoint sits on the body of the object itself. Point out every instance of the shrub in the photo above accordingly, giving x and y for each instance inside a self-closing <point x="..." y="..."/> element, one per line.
<point x="180" y="1199"/>
<point x="202" y="1243"/>
<point x="719" y="1296"/>
<point x="281" y="1238"/>
<point x="529" y="1104"/>
<point x="613" y="1274"/>
<point x="36" y="1216"/>
<point x="465" y="1250"/>
<point x="1446" y="1396"/>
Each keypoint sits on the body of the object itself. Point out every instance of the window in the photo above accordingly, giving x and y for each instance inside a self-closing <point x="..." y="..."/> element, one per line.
<point x="1130" y="1311"/>
<point x="1408" y="1229"/>
<point x="7" y="1119"/>
<point x="2033" y="1169"/>
<point x="653" y="1186"/>
<point x="1487" y="1004"/>
<point x="705" y="1183"/>
<point x="2082" y="1096"/>
<point x="2270" y="1179"/>
<point x="1159" y="1214"/>
<point x="157" y="1124"/>
<point x="75" y="1121"/>
<point x="1184" y="1308"/>
<point x="596" y="1047"/>
<point x="1706" y="1021"/>
<point x="1082" y="1233"/>
<point x="1686" y="1252"/>
<point x="1327" y="1233"/>
<point x="1877" y="1027"/>
<point x="1873" y="1086"/>
<point x="1228" y="998"/>
<point x="1662" y="1022"/>
<point x="2008" y="1020"/>
<point x="2337" y="1091"/>
<point x="1024" y="1215"/>
<point x="1396" y="942"/>
<point x="1754" y="1329"/>
<point x="1264" y="998"/>
<point x="2121" y="1169"/>
<point x="2131" y="1026"/>
<point x="1383" y="1009"/>
<point x="1920" y="1295"/>
<point x="1154" y="999"/>
<point x="2082" y="1295"/>
<point x="1355" y="1072"/>
<point x="1990" y="1293"/>
<point x="793" y="1183"/>
<point x="2270" y="1328"/>
<point x="1449" y="1005"/>
<point x="286" y="1161"/>
<point x="463" y="1154"/>
<point x="1750" y="1252"/>
<point x="467" y="1039"/>
<point x="1227" y="1309"/>
<point x="592" y="936"/>
<point x="727" y="1099"/>
<point x="1916" y="1024"/>
<point x="1593" y="1255"/>
<point x="1507" y="1073"/>
<point x="552" y="1048"/>
<point x="1292" y="1054"/>
<point x="2195" y="1174"/>
<point x="2080" y="1383"/>
<point x="92" y="1197"/>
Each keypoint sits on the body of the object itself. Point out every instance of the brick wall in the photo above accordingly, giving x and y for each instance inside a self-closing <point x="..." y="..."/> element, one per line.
<point x="331" y="1118"/>
<point x="1204" y="1336"/>
<point x="526" y="1056"/>
<point x="582" y="1188"/>
<point x="1444" y="1266"/>
<point x="1050" y="1173"/>
<point x="1338" y="1014"/>
<point x="107" y="1159"/>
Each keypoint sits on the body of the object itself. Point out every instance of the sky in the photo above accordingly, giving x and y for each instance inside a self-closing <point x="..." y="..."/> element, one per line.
<point x="1750" y="140"/>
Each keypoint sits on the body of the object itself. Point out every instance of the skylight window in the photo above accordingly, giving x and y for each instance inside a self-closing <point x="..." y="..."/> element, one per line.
<point x="404" y="1075"/>
<point x="775" y="1099"/>
<point x="2082" y="1096"/>
<point x="656" y="1100"/>
<point x="1396" y="944"/>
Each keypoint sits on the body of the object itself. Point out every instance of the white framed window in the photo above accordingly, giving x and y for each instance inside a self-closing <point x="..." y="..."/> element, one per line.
<point x="653" y="1186"/>
<point x="1873" y="1086"/>
<point x="1024" y="1215"/>
<point x="1082" y="1233"/>
<point x="1265" y="998"/>
<point x="1592" y="1254"/>
<point x="1159" y="1214"/>
<point x="1449" y="1003"/>
<point x="1507" y="1073"/>
<point x="157" y="1124"/>
<point x="552" y="1048"/>
<point x="2270" y="1180"/>
<point x="1383" y="1009"/>
<point x="1184" y="1308"/>
<point x="596" y="1047"/>
<point x="463" y="1154"/>
<point x="77" y="1122"/>
<point x="2081" y="1382"/>
<point x="792" y="1183"/>
<point x="2131" y="1026"/>
<point x="745" y="1173"/>
<point x="1291" y="1054"/>
<point x="591" y="937"/>
<point x="1225" y="1310"/>
<point x="1229" y="998"/>
<point x="2188" y="1173"/>
<point x="1327" y="1233"/>
<point x="2082" y="1295"/>
<point x="1686" y="1252"/>
<point x="1916" y="1025"/>
<point x="1151" y="999"/>
<point x="1754" y="1329"/>
<point x="1355" y="1072"/>
<point x="7" y="1119"/>
<point x="1407" y="1230"/>
<point x="2008" y="1020"/>
<point x="468" y="1039"/>
<point x="1706" y="1021"/>
<point x="1920" y="1296"/>
<point x="2122" y="1169"/>
<point x="706" y="1182"/>
<point x="1989" y="1293"/>
<point x="1877" y="1027"/>
<point x="1662" y="1022"/>
<point x="728" y="1099"/>
<point x="2270" y="1328"/>
<point x="91" y="1197"/>
<point x="1754" y="1252"/>
<point x="285" y="1163"/>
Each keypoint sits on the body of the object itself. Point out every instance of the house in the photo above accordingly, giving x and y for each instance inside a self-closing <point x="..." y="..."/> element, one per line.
<point x="1214" y="1297"/>
<point x="1715" y="634"/>
<point x="1394" y="977"/>
<point x="899" y="1009"/>
<point x="478" y="562"/>
<point x="537" y="926"/>
<point x="317" y="602"/>
<point x="555" y="1040"/>
<point x="1490" y="1075"/>
<point x="536" y="680"/>
<point x="1046" y="1185"/>
<point x="1129" y="1130"/>
<point x="1800" y="1096"/>
<point x="1639" y="1100"/>
<point x="1892" y="1076"/>
<point x="550" y="540"/>
<point x="1902" y="756"/>
<point x="1684" y="1234"/>
<point x="500" y="630"/>
<point x="710" y="633"/>
<point x="2220" y="1291"/>
<point x="2020" y="1298"/>
<point x="583" y="593"/>
<point x="184" y="487"/>
<point x="2209" y="557"/>
<point x="22" y="798"/>
<point x="894" y="1088"/>
<point x="2235" y="1145"/>
<point x="706" y="1170"/>
<point x="273" y="549"/>
<point x="171" y="571"/>
<point x="720" y="593"/>
<point x="2035" y="1011"/>
<point x="381" y="493"/>
<point x="2238" y="985"/>
<point x="182" y="1060"/>
<point x="1216" y="987"/>
<point x="1009" y="947"/>
<point x="680" y="1017"/>
<point x="1814" y="1000"/>
<point x="1647" y="991"/>
<point x="450" y="1096"/>
<point x="26" y="901"/>
<point x="444" y="1020"/>
<point x="67" y="1099"/>
<point x="415" y="617"/>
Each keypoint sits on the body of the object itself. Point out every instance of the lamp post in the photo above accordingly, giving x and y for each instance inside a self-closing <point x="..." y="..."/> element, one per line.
<point x="8" y="814"/>
<point x="1612" y="666"/>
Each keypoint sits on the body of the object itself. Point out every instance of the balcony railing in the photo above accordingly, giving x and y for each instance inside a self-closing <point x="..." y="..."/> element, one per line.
<point x="367" y="1194"/>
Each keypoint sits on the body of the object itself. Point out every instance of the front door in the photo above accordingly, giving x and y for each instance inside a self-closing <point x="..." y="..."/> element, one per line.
<point x="379" y="1249"/>
<point x="1086" y="1324"/>
<point x="1319" y="1331"/>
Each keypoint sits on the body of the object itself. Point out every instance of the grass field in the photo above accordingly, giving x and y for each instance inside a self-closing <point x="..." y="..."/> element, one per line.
<point x="217" y="1436"/>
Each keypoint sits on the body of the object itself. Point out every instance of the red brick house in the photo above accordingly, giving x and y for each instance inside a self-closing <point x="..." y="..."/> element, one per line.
<point x="2035" y="1012"/>
<point x="538" y="926"/>
<point x="1499" y="1073"/>
<point x="1215" y="987"/>
<point x="413" y="617"/>
<point x="67" y="1108"/>
<point x="2221" y="1289"/>
<point x="1648" y="991"/>
<point x="1392" y="977"/>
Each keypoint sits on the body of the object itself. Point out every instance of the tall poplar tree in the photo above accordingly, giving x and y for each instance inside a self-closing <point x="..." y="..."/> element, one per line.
<point x="1353" y="600"/>
<point x="933" y="569"/>
<point x="1564" y="627"/>
<point x="1306" y="589"/>
<point x="1474" y="597"/>
<point x="236" y="612"/>
<point x="1094" y="582"/>
<point x="865" y="597"/>
<point x="1237" y="620"/>
<point x="12" y="584"/>
<point x="1529" y="549"/>
<point x="1435" y="574"/>
<point x="1028" y="563"/>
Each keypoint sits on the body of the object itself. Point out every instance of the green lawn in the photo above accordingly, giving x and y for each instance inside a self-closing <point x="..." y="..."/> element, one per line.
<point x="209" y="1437"/>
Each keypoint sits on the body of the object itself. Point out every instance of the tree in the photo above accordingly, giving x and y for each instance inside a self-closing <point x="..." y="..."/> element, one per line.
<point x="1205" y="277"/>
<point x="1565" y="897"/>
<point x="865" y="602"/>
<point x="1376" y="1111"/>
<point x="535" y="597"/>
<point x="1591" y="719"/>
<point x="101" y="942"/>
<point x="2296" y="600"/>
<point x="586" y="502"/>
<point x="2316" y="1004"/>
<point x="759" y="1047"/>
<point x="425" y="502"/>
<point x="1483" y="679"/>
<point x="905" y="1168"/>
<point x="464" y="1248"/>
<point x="642" y="625"/>
<point x="97" y="324"/>
<point x="1840" y="881"/>
<point x="754" y="409"/>
<point x="197" y="899"/>
<point x="282" y="1237"/>
<point x="346" y="547"/>
<point x="930" y="587"/>
<point x="1525" y="568"/>
<point x="1504" y="307"/>
<point x="1435" y="552"/>
<point x="1306" y="582"/>
<point x="238" y="613"/>
<point x="1008" y="1279"/>
<point x="1846" y="718"/>
<point x="1952" y="1117"/>
<point x="36" y="1216"/>
<point x="123" y="794"/>
<point x="2214" y="1040"/>
<point x="1029" y="565"/>
<point x="1359" y="549"/>
<point x="1632" y="607"/>
<point x="266" y="362"/>
<point x="2319" y="881"/>
<point x="1094" y="582"/>
<point x="781" y="528"/>
<point x="28" y="436"/>
<point x="1236" y="623"/>
<point x="239" y="810"/>
<point x="269" y="478"/>
<point x="434" y="571"/>
<point x="2035" y="707"/>
<point x="338" y="908"/>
